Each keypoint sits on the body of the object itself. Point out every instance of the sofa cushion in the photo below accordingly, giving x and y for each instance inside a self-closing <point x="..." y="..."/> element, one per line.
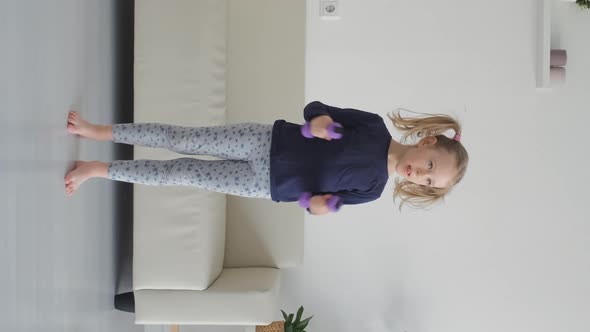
<point x="179" y="78"/>
<point x="179" y="237"/>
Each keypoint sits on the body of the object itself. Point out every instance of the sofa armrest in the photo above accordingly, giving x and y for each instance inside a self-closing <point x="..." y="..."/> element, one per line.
<point x="240" y="296"/>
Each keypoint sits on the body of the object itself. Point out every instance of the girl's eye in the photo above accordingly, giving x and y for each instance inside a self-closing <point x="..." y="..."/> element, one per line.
<point x="430" y="164"/>
<point x="429" y="182"/>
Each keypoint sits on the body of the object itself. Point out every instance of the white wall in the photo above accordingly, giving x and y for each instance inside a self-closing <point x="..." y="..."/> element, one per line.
<point x="509" y="251"/>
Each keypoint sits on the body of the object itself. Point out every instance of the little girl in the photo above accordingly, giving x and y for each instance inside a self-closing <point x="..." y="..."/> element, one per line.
<point x="277" y="162"/>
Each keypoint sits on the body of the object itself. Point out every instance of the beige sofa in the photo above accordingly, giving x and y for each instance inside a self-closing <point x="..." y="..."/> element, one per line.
<point x="202" y="257"/>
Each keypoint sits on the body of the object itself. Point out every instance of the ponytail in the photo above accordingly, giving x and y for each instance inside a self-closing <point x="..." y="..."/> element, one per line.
<point x="420" y="127"/>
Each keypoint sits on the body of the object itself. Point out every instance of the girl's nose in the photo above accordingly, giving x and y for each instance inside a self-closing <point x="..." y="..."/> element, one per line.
<point x="420" y="172"/>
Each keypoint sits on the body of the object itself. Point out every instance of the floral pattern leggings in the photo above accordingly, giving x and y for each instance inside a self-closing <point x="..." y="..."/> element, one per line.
<point x="244" y="148"/>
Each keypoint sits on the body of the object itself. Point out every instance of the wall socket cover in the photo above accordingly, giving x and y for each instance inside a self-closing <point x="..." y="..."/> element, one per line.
<point x="329" y="9"/>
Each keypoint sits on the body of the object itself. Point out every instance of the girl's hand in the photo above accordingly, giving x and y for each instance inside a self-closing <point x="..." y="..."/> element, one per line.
<point x="319" y="126"/>
<point x="319" y="204"/>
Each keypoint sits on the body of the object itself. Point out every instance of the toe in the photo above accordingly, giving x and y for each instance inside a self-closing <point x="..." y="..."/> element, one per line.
<point x="72" y="129"/>
<point x="73" y="116"/>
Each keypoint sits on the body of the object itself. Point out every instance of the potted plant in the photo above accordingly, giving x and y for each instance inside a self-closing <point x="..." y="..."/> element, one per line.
<point x="287" y="325"/>
<point x="582" y="3"/>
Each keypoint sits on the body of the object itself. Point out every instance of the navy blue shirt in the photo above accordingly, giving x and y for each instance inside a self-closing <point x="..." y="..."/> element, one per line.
<point x="353" y="167"/>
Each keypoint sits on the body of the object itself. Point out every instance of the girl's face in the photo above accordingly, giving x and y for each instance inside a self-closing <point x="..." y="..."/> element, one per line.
<point x="425" y="164"/>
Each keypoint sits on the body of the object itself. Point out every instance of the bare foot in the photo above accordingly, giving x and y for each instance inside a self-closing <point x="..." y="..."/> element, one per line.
<point x="83" y="171"/>
<point x="79" y="126"/>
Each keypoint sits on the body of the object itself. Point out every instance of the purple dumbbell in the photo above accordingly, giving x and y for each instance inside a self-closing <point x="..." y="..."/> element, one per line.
<point x="334" y="203"/>
<point x="335" y="130"/>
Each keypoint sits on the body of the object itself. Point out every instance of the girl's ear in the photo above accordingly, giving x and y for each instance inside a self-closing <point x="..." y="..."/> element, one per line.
<point x="426" y="141"/>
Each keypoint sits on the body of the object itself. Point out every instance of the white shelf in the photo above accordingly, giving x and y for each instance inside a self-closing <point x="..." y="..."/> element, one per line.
<point x="543" y="44"/>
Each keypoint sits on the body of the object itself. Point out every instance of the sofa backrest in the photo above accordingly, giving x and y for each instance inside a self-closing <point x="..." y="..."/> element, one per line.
<point x="265" y="82"/>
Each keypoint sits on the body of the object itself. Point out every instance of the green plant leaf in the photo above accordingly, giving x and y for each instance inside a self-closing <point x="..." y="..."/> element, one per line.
<point x="299" y="313"/>
<point x="289" y="329"/>
<point x="303" y="323"/>
<point x="290" y="320"/>
<point x="285" y="315"/>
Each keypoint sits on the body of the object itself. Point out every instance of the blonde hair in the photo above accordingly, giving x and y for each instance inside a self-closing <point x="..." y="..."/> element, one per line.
<point x="421" y="196"/>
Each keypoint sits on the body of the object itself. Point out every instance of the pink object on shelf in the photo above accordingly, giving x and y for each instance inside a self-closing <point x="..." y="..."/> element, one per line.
<point x="558" y="58"/>
<point x="557" y="74"/>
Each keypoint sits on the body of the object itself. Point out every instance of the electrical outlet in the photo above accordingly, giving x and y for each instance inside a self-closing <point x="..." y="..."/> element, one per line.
<point x="329" y="9"/>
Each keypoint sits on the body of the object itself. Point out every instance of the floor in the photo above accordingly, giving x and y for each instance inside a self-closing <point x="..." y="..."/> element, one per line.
<point x="59" y="253"/>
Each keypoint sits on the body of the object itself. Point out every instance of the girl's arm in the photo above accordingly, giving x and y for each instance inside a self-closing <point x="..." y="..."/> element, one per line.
<point x="318" y="203"/>
<point x="351" y="197"/>
<point x="348" y="117"/>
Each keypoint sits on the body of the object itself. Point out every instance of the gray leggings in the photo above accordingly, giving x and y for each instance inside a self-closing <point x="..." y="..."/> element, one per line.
<point x="245" y="148"/>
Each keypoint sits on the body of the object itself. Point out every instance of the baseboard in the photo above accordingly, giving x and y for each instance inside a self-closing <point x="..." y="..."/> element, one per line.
<point x="124" y="14"/>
